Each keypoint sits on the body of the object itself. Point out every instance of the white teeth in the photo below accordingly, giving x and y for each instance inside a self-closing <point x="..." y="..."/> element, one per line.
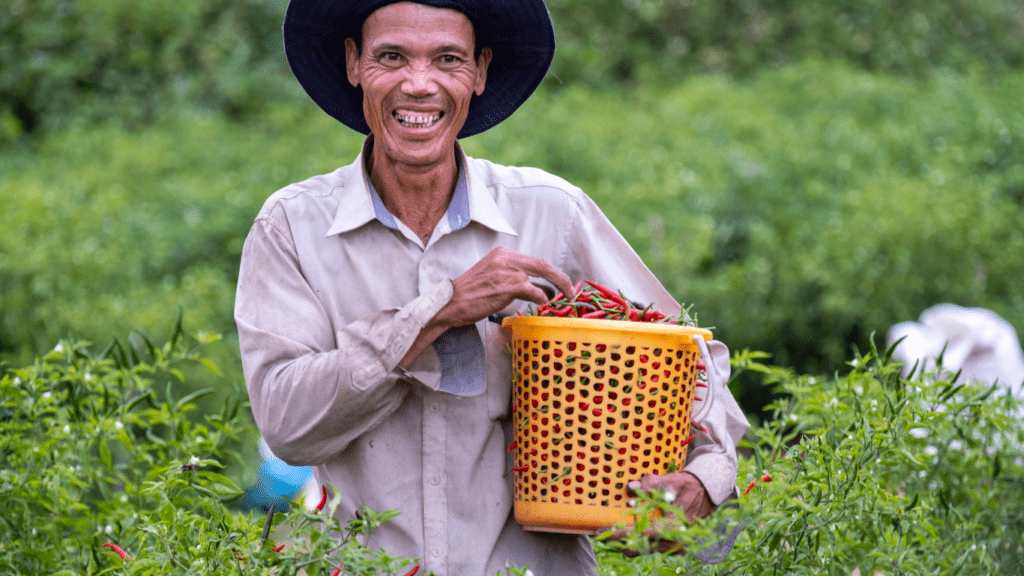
<point x="418" y="121"/>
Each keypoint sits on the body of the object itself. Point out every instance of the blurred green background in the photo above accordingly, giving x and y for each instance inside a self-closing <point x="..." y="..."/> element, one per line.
<point x="805" y="172"/>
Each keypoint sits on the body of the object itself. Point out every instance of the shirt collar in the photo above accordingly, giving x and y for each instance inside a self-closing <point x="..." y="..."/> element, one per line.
<point x="470" y="201"/>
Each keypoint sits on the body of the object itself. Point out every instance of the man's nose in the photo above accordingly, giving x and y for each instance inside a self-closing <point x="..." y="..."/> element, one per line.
<point x="419" y="81"/>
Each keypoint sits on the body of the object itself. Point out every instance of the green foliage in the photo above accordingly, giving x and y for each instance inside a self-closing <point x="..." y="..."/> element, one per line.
<point x="100" y="449"/>
<point x="869" y="471"/>
<point x="107" y="230"/>
<point x="604" y="42"/>
<point x="131" y="59"/>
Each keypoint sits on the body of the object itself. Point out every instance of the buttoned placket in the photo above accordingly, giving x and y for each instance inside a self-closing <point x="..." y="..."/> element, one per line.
<point x="435" y="451"/>
<point x="435" y="485"/>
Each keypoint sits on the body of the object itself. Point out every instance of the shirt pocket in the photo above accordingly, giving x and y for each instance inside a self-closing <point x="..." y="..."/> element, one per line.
<point x="499" y="371"/>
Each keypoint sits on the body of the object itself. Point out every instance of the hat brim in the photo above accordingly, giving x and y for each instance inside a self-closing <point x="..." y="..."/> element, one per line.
<point x="519" y="33"/>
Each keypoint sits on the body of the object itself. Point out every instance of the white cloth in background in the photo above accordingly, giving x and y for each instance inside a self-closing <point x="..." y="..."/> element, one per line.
<point x="976" y="340"/>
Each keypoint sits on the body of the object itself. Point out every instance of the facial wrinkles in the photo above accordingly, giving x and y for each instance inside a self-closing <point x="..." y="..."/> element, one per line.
<point x="418" y="76"/>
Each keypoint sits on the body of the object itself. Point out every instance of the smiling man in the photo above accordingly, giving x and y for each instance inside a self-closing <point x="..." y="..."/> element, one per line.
<point x="364" y="293"/>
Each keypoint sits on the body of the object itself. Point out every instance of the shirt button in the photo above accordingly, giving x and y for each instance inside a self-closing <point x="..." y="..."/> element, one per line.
<point x="436" y="551"/>
<point x="434" y="480"/>
<point x="435" y="407"/>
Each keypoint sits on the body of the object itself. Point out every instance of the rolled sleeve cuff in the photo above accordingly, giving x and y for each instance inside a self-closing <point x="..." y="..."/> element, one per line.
<point x="412" y="318"/>
<point x="718" y="475"/>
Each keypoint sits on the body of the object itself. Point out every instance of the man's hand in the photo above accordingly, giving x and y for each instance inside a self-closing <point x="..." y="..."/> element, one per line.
<point x="495" y="281"/>
<point x="489" y="286"/>
<point x="690" y="496"/>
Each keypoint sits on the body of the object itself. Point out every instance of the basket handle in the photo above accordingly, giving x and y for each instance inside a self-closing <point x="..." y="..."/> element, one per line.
<point x="711" y="371"/>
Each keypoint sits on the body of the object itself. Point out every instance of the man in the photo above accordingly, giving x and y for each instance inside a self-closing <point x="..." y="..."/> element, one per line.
<point x="364" y="294"/>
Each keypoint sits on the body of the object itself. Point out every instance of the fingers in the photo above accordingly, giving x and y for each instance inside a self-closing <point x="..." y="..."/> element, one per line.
<point x="686" y="491"/>
<point x="513" y="262"/>
<point x="500" y="277"/>
<point x="541" y="268"/>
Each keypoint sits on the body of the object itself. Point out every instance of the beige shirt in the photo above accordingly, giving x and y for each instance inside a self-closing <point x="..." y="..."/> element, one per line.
<point x="330" y="299"/>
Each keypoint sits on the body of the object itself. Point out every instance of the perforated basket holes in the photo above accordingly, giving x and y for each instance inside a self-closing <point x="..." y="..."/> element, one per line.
<point x="590" y="417"/>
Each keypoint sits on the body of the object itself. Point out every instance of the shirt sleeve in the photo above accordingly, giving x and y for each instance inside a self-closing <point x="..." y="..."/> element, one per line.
<point x="712" y="454"/>
<point x="597" y="251"/>
<point x="314" y="387"/>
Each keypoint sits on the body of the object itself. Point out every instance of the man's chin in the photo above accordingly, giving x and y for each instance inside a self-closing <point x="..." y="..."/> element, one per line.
<point x="419" y="153"/>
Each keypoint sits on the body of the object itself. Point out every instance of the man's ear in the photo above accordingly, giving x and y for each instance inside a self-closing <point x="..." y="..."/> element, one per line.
<point x="352" y="61"/>
<point x="481" y="70"/>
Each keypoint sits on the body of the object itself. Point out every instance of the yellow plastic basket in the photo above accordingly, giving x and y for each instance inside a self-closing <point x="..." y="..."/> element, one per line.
<point x="596" y="403"/>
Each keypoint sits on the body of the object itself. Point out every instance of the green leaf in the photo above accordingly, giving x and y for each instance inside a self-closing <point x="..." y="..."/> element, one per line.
<point x="194" y="397"/>
<point x="209" y="364"/>
<point x="105" y="457"/>
<point x="126" y="440"/>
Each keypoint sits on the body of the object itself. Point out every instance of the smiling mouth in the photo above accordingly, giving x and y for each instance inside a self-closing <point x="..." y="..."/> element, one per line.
<point x="417" y="120"/>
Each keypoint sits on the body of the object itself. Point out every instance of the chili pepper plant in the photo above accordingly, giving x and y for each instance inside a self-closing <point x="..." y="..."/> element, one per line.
<point x="104" y="469"/>
<point x="869" y="471"/>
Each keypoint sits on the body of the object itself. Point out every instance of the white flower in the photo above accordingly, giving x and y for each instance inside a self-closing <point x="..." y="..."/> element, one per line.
<point x="17" y="381"/>
<point x="109" y="529"/>
<point x="124" y="498"/>
<point x="87" y="377"/>
<point x="118" y="425"/>
<point x="193" y="461"/>
<point x="200" y="439"/>
<point x="669" y="496"/>
<point x="67" y="429"/>
<point x="528" y="572"/>
<point x="58" y="348"/>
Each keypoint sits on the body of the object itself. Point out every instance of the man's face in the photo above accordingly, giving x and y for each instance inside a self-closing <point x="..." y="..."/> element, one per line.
<point x="418" y="75"/>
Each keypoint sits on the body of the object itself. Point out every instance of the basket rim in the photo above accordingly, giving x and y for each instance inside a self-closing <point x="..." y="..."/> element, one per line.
<point x="601" y="325"/>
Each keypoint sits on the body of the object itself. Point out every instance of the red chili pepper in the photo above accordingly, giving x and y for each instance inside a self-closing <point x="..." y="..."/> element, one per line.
<point x="702" y="428"/>
<point x="520" y="468"/>
<point x="279" y="548"/>
<point x="749" y="487"/>
<point x="766" y="478"/>
<point x="414" y="570"/>
<point x="337" y="572"/>
<point x="595" y="314"/>
<point x="561" y="312"/>
<point x="688" y="440"/>
<point x="701" y="385"/>
<point x="323" y="498"/>
<point x="701" y="366"/>
<point x="609" y="294"/>
<point x="513" y="445"/>
<point x="697" y="399"/>
<point x="120" y="552"/>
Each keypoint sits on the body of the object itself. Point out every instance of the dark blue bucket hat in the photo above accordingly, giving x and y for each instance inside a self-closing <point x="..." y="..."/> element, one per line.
<point x="518" y="32"/>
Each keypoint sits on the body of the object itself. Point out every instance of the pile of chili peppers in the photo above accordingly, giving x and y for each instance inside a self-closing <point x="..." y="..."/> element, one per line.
<point x="593" y="300"/>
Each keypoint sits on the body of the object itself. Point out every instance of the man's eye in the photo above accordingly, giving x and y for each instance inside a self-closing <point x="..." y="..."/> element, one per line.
<point x="450" y="59"/>
<point x="391" y="56"/>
